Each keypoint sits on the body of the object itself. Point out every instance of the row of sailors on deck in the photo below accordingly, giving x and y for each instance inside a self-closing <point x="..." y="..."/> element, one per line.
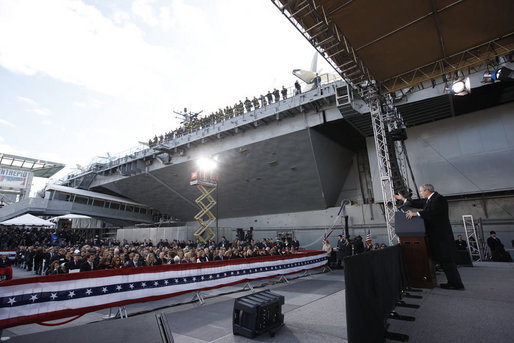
<point x="228" y="112"/>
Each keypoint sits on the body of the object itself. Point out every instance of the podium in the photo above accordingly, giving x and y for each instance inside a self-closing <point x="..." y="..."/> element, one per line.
<point x="420" y="269"/>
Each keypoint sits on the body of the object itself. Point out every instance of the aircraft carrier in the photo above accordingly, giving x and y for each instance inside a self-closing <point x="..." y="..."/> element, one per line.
<point x="289" y="166"/>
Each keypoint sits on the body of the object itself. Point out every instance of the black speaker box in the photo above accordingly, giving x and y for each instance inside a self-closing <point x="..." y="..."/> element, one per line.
<point x="257" y="313"/>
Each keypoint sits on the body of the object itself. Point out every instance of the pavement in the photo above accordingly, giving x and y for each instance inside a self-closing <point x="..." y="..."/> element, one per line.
<point x="314" y="311"/>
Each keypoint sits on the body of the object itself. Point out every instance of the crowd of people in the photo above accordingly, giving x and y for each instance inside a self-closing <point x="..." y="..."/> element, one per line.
<point x="47" y="252"/>
<point x="348" y="247"/>
<point x="12" y="238"/>
<point x="195" y="122"/>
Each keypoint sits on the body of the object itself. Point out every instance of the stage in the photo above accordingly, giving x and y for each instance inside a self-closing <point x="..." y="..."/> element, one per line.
<point x="314" y="311"/>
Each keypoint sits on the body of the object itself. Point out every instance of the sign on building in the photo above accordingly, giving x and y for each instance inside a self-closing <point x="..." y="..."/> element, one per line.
<point x="15" y="180"/>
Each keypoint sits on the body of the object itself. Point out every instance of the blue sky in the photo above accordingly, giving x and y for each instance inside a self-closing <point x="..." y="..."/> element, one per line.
<point x="80" y="79"/>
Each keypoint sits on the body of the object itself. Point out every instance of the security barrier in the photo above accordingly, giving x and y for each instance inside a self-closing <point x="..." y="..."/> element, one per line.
<point x="45" y="298"/>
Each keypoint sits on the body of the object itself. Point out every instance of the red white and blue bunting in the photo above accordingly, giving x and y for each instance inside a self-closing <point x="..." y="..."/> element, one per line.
<point x="11" y="254"/>
<point x="38" y="299"/>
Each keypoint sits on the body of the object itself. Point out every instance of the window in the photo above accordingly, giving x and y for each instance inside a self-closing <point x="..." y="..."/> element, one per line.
<point x="81" y="200"/>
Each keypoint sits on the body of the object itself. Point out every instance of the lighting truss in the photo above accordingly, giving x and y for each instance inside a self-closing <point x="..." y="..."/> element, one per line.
<point x="470" y="58"/>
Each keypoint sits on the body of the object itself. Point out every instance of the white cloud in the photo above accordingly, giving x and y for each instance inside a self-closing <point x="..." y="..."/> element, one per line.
<point x="27" y="100"/>
<point x="8" y="149"/>
<point x="2" y="139"/>
<point x="42" y="111"/>
<point x="92" y="103"/>
<point x="155" y="15"/>
<point x="37" y="109"/>
<point x="75" y="43"/>
<point x="148" y="57"/>
<point x="121" y="17"/>
<point x="6" y="123"/>
<point x="193" y="20"/>
<point x="79" y="104"/>
<point x="145" y="11"/>
<point x="50" y="156"/>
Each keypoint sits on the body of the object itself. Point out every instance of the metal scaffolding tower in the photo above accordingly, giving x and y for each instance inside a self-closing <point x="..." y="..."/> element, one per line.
<point x="475" y="237"/>
<point x="384" y="165"/>
<point x="386" y="122"/>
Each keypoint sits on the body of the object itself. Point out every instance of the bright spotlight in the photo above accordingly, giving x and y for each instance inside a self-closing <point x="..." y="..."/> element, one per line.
<point x="504" y="74"/>
<point x="500" y="74"/>
<point x="461" y="87"/>
<point x="206" y="164"/>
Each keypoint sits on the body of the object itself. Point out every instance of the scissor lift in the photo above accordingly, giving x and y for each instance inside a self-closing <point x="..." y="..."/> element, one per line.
<point x="206" y="184"/>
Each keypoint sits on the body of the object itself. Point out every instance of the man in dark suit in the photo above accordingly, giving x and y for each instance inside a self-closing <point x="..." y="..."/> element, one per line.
<point x="497" y="250"/>
<point x="75" y="262"/>
<point x="460" y="243"/>
<point x="220" y="256"/>
<point x="224" y="243"/>
<point x="88" y="264"/>
<point x="50" y="256"/>
<point x="439" y="231"/>
<point x="136" y="261"/>
<point x="358" y="246"/>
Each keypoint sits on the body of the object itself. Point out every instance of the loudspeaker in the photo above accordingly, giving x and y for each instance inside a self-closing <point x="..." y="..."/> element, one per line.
<point x="257" y="313"/>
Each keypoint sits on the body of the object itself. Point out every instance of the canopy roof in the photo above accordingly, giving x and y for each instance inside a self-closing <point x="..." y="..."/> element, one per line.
<point x="40" y="168"/>
<point x="27" y="220"/>
<point x="401" y="43"/>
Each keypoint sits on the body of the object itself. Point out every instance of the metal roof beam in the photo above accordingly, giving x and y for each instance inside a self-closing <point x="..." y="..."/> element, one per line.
<point x="438" y="26"/>
<point x="340" y="7"/>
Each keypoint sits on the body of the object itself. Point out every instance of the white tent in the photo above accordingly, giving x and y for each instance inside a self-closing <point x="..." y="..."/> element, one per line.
<point x="69" y="216"/>
<point x="27" y="220"/>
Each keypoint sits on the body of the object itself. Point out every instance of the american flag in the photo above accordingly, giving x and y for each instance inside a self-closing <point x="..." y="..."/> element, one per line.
<point x="44" y="298"/>
<point x="368" y="236"/>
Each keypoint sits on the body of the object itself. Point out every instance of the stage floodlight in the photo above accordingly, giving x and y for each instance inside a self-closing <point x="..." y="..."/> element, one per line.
<point x="206" y="164"/>
<point x="503" y="74"/>
<point x="488" y="77"/>
<point x="500" y="74"/>
<point x="461" y="87"/>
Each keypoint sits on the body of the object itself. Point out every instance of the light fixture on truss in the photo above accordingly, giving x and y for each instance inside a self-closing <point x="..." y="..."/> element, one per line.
<point x="500" y="74"/>
<point x="462" y="86"/>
